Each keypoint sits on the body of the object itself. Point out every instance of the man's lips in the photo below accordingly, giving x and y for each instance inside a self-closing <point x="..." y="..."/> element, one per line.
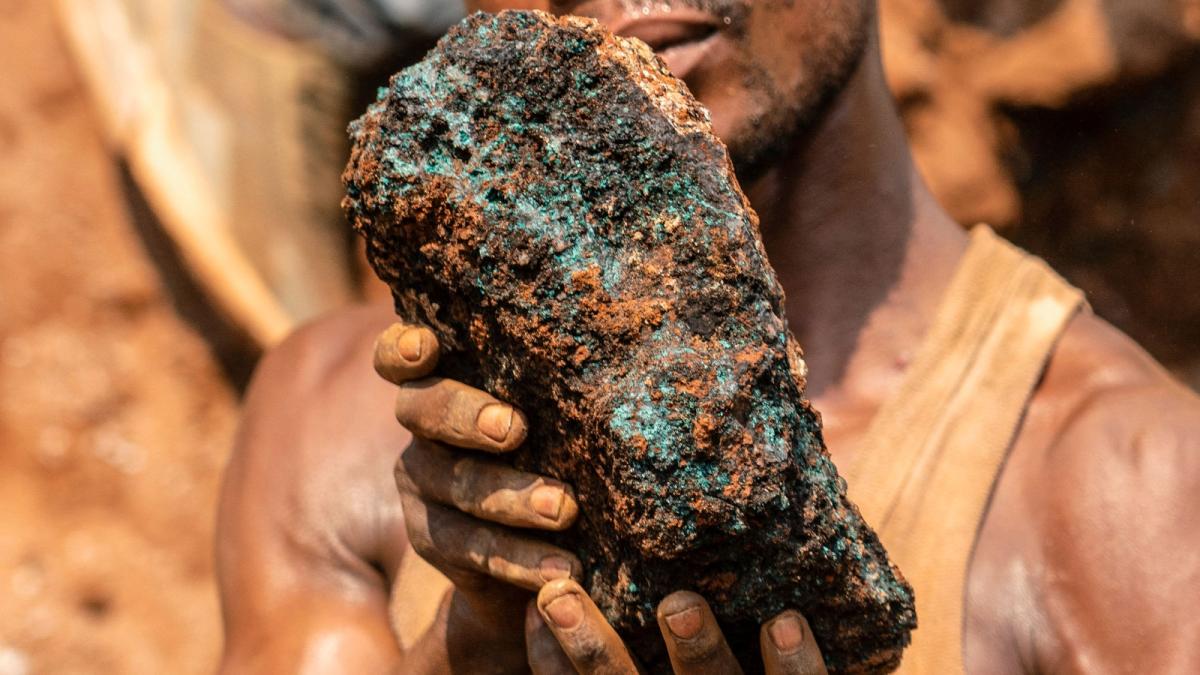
<point x="680" y="37"/>
<point x="663" y="33"/>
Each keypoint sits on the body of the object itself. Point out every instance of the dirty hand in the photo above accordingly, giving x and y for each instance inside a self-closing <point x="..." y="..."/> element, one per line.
<point x="468" y="513"/>
<point x="565" y="633"/>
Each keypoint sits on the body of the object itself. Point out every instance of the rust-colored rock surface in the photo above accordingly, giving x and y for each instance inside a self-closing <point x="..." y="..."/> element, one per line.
<point x="553" y="203"/>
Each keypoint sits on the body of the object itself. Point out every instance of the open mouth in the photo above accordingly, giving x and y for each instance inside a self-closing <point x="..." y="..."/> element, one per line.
<point x="681" y="38"/>
<point x="662" y="35"/>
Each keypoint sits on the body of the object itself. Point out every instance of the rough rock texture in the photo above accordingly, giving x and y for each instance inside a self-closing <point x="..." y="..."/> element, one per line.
<point x="553" y="203"/>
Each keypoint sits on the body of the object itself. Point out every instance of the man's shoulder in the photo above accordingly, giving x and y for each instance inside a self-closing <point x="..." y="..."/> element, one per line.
<point x="317" y="426"/>
<point x="1093" y="520"/>
<point x="1106" y="399"/>
<point x="334" y="345"/>
<point x="1125" y="447"/>
<point x="1109" y="437"/>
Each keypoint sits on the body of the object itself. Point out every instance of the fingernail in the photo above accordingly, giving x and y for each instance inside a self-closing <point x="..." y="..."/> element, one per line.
<point x="565" y="611"/>
<point x="554" y="567"/>
<point x="686" y="625"/>
<point x="409" y="345"/>
<point x="787" y="633"/>
<point x="547" y="501"/>
<point x="495" y="421"/>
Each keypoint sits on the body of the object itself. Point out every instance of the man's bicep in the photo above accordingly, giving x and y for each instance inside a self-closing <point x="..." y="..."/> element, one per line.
<point x="287" y="605"/>
<point x="1123" y="536"/>
<point x="314" y="634"/>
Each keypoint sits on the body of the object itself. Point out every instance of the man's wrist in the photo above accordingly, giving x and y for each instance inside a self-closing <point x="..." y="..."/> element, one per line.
<point x="473" y="633"/>
<point x="489" y="628"/>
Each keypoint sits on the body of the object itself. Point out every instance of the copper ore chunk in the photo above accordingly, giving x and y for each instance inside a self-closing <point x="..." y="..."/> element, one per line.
<point x="554" y="205"/>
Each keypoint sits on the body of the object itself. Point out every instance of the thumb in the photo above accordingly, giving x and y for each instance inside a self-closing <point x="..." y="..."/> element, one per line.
<point x="789" y="647"/>
<point x="542" y="650"/>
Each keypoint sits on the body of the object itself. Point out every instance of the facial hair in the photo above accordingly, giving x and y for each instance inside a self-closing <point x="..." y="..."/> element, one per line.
<point x="782" y="117"/>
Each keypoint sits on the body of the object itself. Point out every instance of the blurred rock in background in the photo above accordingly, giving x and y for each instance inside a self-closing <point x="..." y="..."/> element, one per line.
<point x="1072" y="125"/>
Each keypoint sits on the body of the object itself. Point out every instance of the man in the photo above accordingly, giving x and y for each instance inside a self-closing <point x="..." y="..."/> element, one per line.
<point x="1034" y="471"/>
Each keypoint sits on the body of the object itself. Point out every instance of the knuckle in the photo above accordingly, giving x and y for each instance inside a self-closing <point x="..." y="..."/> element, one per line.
<point x="464" y="483"/>
<point x="589" y="650"/>
<point x="404" y="481"/>
<point x="542" y="648"/>
<point x="414" y="466"/>
<point x="463" y="408"/>
<point x="421" y="544"/>
<point x="417" y="399"/>
<point x="416" y="526"/>
<point x="481" y="547"/>
<point x="513" y="562"/>
<point x="418" y="536"/>
<point x="405" y="406"/>
<point x="469" y="580"/>
<point x="702" y="649"/>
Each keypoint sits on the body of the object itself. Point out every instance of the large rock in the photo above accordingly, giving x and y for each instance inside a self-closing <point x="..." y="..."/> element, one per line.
<point x="554" y="204"/>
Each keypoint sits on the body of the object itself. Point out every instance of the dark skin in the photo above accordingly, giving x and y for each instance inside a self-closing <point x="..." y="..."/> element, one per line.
<point x="1086" y="560"/>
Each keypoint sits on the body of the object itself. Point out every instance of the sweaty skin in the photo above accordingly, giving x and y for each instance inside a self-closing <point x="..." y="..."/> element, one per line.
<point x="1086" y="560"/>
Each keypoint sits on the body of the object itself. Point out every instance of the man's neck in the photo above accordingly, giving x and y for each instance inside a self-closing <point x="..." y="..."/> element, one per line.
<point x="862" y="249"/>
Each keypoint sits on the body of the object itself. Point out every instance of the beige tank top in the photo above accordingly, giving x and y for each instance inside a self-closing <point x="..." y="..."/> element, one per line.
<point x="924" y="473"/>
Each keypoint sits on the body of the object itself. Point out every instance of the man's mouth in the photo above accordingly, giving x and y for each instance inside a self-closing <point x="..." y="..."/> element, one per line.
<point x="681" y="37"/>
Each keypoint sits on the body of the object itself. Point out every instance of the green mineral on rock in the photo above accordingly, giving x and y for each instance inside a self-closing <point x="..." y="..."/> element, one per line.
<point x="553" y="203"/>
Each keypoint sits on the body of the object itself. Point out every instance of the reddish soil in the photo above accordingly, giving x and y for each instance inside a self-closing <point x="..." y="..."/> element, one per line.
<point x="114" y="416"/>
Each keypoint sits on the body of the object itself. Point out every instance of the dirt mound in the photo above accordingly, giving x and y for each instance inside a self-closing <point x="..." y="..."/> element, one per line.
<point x="114" y="417"/>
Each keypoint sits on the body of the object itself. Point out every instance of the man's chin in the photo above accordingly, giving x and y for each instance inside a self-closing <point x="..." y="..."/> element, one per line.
<point x="763" y="140"/>
<point x="780" y="122"/>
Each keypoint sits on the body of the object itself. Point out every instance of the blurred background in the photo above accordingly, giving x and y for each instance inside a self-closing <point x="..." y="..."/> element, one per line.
<point x="169" y="208"/>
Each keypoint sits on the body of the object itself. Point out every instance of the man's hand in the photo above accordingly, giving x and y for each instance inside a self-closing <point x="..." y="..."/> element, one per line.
<point x="466" y="512"/>
<point x="469" y="515"/>
<point x="566" y="633"/>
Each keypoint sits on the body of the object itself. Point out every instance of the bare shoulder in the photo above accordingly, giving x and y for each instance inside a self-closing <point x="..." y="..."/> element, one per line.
<point x="315" y="403"/>
<point x="1108" y="412"/>
<point x="316" y="427"/>
<point x="1102" y="490"/>
<point x="325" y="350"/>
<point x="310" y="523"/>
